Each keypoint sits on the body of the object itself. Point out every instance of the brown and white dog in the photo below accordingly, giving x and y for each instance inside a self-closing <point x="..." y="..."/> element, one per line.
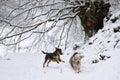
<point x="55" y="56"/>
<point x="75" y="61"/>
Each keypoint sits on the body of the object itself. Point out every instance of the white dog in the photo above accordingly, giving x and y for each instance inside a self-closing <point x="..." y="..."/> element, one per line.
<point x="75" y="61"/>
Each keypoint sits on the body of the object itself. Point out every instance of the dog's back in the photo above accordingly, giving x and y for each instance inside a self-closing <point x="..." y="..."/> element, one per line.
<point x="71" y="59"/>
<point x="49" y="55"/>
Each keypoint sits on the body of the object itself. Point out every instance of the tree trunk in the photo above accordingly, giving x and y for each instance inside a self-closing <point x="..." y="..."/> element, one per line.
<point x="92" y="15"/>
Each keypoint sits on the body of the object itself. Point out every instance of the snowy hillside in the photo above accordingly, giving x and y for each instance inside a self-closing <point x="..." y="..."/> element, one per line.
<point x="24" y="66"/>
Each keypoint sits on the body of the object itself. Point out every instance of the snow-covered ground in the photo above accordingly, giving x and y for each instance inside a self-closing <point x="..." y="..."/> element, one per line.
<point x="27" y="66"/>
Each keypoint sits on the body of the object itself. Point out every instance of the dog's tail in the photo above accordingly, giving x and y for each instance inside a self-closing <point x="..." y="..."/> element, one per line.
<point x="70" y="61"/>
<point x="44" y="52"/>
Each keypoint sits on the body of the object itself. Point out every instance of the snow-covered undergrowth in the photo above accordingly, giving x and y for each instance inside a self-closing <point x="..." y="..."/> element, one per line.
<point x="100" y="62"/>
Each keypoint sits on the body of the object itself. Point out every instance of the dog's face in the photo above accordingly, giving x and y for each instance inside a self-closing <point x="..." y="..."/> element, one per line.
<point x="59" y="51"/>
<point x="77" y="58"/>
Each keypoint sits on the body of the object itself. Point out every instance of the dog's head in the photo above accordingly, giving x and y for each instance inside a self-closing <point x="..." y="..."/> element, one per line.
<point x="59" y="51"/>
<point x="77" y="58"/>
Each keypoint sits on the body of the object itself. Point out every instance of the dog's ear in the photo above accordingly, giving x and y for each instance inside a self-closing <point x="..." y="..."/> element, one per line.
<point x="57" y="48"/>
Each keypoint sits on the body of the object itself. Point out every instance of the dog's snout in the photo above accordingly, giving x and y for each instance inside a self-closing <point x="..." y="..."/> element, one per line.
<point x="78" y="62"/>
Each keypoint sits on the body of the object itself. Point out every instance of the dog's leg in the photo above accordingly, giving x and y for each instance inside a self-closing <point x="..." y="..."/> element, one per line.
<point x="78" y="69"/>
<point x="44" y="63"/>
<point x="48" y="62"/>
<point x="57" y="61"/>
<point x="60" y="60"/>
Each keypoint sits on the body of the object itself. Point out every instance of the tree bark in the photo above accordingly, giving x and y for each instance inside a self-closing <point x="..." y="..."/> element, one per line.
<point x="92" y="15"/>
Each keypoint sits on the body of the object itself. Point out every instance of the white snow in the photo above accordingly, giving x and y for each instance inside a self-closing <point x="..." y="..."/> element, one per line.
<point x="25" y="66"/>
<point x="29" y="66"/>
